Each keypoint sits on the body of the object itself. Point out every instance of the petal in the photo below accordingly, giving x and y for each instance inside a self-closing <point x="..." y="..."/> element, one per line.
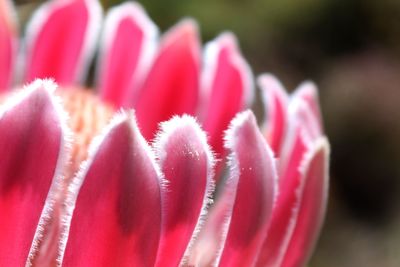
<point x="301" y="121"/>
<point x="187" y="163"/>
<point x="172" y="86"/>
<point x="314" y="195"/>
<point x="286" y="209"/>
<point x="275" y="101"/>
<point x="32" y="145"/>
<point x="8" y="43"/>
<point x="127" y="49"/>
<point x="302" y="133"/>
<point x="307" y="91"/>
<point x="210" y="240"/>
<point x="226" y="74"/>
<point x="306" y="117"/>
<point x="253" y="170"/>
<point x="117" y="216"/>
<point x="60" y="40"/>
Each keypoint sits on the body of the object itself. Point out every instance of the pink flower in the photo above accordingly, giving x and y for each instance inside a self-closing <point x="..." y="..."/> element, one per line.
<point x="168" y="75"/>
<point x="81" y="186"/>
<point x="299" y="152"/>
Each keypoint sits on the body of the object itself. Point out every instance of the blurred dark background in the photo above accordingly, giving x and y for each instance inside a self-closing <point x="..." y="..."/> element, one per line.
<point x="351" y="49"/>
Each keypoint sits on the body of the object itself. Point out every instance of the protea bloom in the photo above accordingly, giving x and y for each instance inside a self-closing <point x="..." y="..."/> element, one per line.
<point x="80" y="184"/>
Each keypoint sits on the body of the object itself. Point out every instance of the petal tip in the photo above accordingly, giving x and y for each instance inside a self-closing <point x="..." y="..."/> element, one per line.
<point x="228" y="40"/>
<point x="269" y="82"/>
<point x="186" y="31"/>
<point x="307" y="88"/>
<point x="181" y="123"/>
<point x="241" y="119"/>
<point x="42" y="40"/>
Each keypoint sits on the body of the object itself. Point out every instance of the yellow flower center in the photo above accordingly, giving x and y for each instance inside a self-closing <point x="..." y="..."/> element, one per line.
<point x="88" y="115"/>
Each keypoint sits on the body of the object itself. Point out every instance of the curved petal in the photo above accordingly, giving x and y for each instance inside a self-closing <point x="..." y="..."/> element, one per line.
<point x="302" y="122"/>
<point x="127" y="50"/>
<point x="253" y="170"/>
<point x="226" y="74"/>
<point x="275" y="101"/>
<point x="208" y="244"/>
<point x="308" y="92"/>
<point x="32" y="148"/>
<point x="8" y="43"/>
<point x="302" y="132"/>
<point x="187" y="163"/>
<point x="60" y="40"/>
<point x="172" y="86"/>
<point x="116" y="219"/>
<point x="286" y="209"/>
<point x="314" y="195"/>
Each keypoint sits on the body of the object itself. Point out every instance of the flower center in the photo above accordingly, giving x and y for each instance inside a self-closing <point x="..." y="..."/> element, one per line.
<point x="88" y="115"/>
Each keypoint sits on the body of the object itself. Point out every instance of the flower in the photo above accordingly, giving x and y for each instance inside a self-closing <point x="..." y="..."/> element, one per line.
<point x="169" y="74"/>
<point x="81" y="185"/>
<point x="299" y="152"/>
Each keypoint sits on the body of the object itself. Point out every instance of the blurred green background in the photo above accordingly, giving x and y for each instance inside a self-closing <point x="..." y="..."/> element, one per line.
<point x="351" y="49"/>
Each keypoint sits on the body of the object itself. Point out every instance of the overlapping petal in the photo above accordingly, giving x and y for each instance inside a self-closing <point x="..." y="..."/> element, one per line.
<point x="172" y="85"/>
<point x="158" y="79"/>
<point x="187" y="163"/>
<point x="275" y="101"/>
<point x="225" y="75"/>
<point x="286" y="210"/>
<point x="302" y="132"/>
<point x="126" y="206"/>
<point x="8" y="43"/>
<point x="309" y="93"/>
<point x="208" y="244"/>
<point x="33" y="149"/>
<point x="253" y="170"/>
<point x="116" y="202"/>
<point x="314" y="193"/>
<point x="60" y="40"/>
<point x="126" y="53"/>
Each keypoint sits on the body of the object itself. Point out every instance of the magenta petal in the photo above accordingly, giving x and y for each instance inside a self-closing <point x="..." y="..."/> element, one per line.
<point x="117" y="215"/>
<point x="187" y="163"/>
<point x="172" y="86"/>
<point x="286" y="208"/>
<point x="275" y="101"/>
<point x="127" y="49"/>
<point x="8" y="43"/>
<point x="60" y="40"/>
<point x="226" y="74"/>
<point x="213" y="233"/>
<point x="32" y="148"/>
<point x="307" y="91"/>
<point x="253" y="170"/>
<point x="301" y="122"/>
<point x="312" y="206"/>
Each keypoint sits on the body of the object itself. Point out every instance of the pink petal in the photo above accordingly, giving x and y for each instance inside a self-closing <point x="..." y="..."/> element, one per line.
<point x="172" y="86"/>
<point x="301" y="121"/>
<point x="226" y="75"/>
<point x="187" y="163"/>
<point x="32" y="146"/>
<point x="307" y="91"/>
<point x="253" y="170"/>
<point x="127" y="49"/>
<point x="210" y="240"/>
<point x="117" y="215"/>
<point x="302" y="132"/>
<point x="285" y="212"/>
<point x="275" y="101"/>
<point x="8" y="43"/>
<point x="312" y="208"/>
<point x="60" y="40"/>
